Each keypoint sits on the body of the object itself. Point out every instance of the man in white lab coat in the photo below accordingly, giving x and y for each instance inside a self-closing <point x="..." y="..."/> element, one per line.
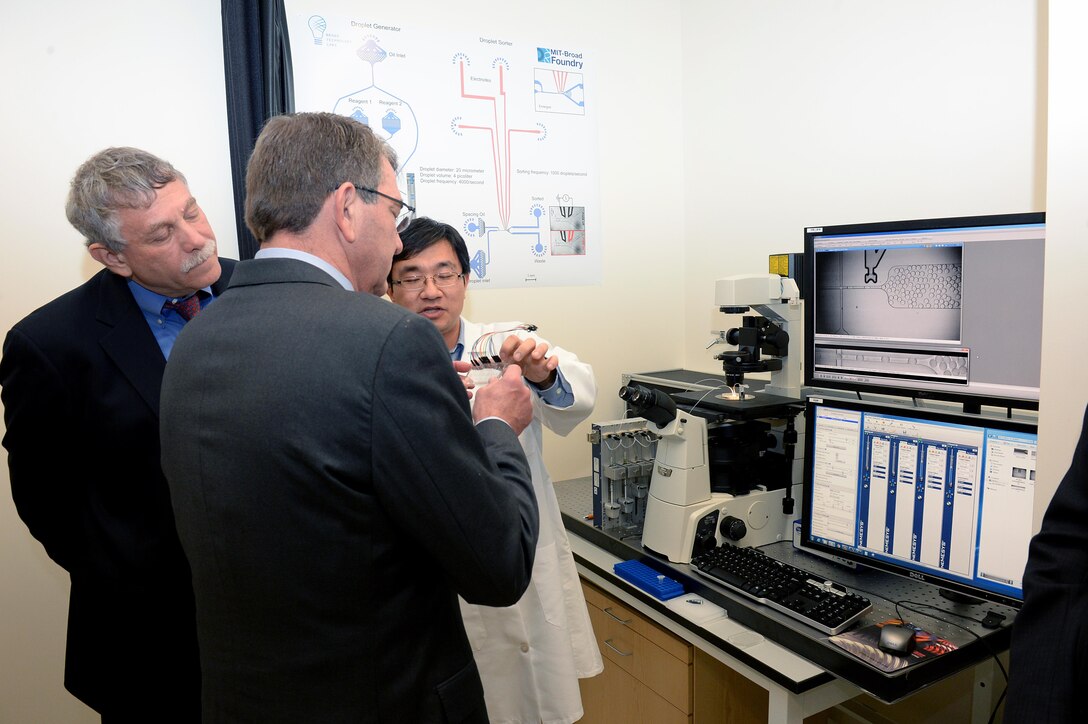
<point x="531" y="654"/>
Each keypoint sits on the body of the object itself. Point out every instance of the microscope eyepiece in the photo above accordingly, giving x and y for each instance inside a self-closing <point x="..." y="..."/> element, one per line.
<point x="654" y="405"/>
<point x="637" y="395"/>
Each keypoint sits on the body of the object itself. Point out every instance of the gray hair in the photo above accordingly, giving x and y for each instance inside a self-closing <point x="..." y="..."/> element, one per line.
<point x="299" y="159"/>
<point x="112" y="179"/>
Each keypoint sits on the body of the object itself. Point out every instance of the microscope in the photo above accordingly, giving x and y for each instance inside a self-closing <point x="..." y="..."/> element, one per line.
<point x="715" y="476"/>
<point x="762" y="342"/>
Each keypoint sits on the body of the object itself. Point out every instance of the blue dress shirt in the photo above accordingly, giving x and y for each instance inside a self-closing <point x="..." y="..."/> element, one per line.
<point x="165" y="324"/>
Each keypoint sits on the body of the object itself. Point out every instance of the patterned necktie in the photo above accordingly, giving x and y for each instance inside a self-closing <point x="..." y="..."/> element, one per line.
<point x="187" y="308"/>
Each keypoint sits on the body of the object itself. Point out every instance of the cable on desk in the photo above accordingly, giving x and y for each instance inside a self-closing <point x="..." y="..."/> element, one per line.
<point x="997" y="706"/>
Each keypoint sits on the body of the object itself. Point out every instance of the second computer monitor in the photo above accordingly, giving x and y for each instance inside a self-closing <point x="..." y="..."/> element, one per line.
<point x="940" y="497"/>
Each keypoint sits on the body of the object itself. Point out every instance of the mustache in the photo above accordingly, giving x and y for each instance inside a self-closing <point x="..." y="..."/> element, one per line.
<point x="198" y="257"/>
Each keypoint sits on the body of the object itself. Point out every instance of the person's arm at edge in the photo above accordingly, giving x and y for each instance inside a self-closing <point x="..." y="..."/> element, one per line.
<point x="1047" y="657"/>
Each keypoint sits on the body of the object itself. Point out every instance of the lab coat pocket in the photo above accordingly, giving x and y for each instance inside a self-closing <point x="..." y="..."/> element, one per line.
<point x="548" y="585"/>
<point x="474" y="624"/>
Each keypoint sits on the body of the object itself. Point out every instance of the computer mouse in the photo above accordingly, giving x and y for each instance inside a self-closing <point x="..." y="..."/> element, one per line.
<point x="898" y="640"/>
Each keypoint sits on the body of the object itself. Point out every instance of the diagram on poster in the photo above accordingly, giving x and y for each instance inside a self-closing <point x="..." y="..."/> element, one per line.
<point x="493" y="133"/>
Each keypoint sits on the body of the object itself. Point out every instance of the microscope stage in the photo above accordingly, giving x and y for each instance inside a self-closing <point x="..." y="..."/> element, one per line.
<point x="761" y="405"/>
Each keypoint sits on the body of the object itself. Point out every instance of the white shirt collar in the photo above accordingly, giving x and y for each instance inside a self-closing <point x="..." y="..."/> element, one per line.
<point x="279" y="252"/>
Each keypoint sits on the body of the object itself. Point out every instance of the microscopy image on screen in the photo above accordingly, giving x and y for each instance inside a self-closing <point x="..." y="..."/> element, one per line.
<point x="911" y="294"/>
<point x="905" y="364"/>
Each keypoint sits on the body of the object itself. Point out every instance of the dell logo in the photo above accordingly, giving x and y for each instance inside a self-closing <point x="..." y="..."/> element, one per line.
<point x="917" y="576"/>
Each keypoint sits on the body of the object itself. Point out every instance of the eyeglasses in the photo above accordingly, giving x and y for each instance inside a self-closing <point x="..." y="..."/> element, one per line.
<point x="441" y="279"/>
<point x="407" y="213"/>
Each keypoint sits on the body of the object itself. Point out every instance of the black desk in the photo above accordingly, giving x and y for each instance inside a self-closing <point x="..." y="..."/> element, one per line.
<point x="807" y="687"/>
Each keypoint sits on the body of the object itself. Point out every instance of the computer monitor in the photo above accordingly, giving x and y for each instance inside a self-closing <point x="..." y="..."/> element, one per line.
<point x="940" y="497"/>
<point x="947" y="309"/>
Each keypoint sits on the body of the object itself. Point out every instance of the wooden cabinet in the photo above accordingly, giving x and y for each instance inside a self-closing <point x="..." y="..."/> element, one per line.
<point x="722" y="696"/>
<point x="651" y="676"/>
<point x="647" y="670"/>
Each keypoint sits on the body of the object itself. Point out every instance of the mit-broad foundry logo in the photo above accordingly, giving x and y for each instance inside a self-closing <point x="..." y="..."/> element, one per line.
<point x="565" y="58"/>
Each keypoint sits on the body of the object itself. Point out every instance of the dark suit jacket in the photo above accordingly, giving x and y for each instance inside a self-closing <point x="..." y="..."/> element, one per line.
<point x="80" y="381"/>
<point x="1048" y="674"/>
<point x="333" y="498"/>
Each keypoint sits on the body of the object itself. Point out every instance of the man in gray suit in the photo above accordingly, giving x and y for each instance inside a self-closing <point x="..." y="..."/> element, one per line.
<point x="331" y="490"/>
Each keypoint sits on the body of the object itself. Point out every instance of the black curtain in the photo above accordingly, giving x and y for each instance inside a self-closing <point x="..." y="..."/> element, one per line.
<point x="257" y="61"/>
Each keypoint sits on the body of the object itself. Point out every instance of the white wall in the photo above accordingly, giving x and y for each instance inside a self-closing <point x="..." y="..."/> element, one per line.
<point x="78" y="77"/>
<point x="1065" y="346"/>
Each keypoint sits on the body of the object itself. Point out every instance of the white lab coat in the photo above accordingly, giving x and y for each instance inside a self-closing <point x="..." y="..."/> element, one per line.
<point x="531" y="654"/>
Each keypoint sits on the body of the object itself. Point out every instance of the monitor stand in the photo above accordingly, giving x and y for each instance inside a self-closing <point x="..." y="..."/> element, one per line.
<point x="972" y="408"/>
<point x="957" y="597"/>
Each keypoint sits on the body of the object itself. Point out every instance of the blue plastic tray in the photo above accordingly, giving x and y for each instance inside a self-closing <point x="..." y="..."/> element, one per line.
<point x="656" y="584"/>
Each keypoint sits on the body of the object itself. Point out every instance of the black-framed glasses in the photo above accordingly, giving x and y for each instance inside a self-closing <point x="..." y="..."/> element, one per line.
<point x="441" y="279"/>
<point x="407" y="213"/>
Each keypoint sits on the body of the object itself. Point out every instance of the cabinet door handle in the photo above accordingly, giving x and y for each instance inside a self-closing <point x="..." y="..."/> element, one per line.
<point x="608" y="643"/>
<point x="617" y="618"/>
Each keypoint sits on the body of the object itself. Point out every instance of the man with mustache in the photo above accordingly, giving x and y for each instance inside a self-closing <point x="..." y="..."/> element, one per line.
<point x="80" y="379"/>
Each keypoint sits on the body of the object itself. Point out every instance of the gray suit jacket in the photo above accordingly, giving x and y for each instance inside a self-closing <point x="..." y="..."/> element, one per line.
<point x="334" y="498"/>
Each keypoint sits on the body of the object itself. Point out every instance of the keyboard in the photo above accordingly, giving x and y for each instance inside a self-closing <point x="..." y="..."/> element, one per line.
<point x="805" y="596"/>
